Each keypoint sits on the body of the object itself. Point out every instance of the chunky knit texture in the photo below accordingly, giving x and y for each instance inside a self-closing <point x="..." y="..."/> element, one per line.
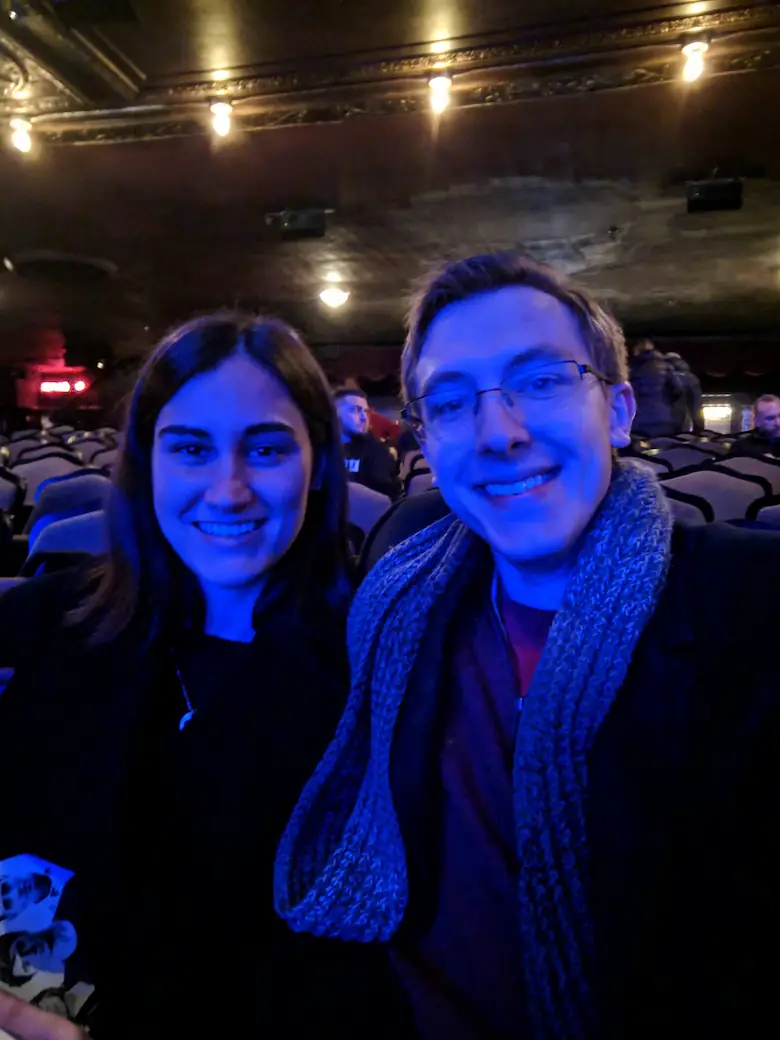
<point x="341" y="868"/>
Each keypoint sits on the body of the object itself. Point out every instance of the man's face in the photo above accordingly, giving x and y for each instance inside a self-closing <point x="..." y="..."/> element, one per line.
<point x="768" y="419"/>
<point x="353" y="414"/>
<point x="527" y="479"/>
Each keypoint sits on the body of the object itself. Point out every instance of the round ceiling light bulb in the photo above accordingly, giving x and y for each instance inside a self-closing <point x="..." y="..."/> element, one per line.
<point x="440" y="87"/>
<point x="334" y="297"/>
<point x="20" y="137"/>
<point x="221" y="112"/>
<point x="694" y="59"/>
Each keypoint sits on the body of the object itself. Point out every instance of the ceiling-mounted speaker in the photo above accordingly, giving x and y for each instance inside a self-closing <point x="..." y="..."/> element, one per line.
<point x="714" y="195"/>
<point x="293" y="224"/>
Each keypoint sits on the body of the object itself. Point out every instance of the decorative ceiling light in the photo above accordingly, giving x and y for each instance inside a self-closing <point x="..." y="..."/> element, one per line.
<point x="440" y="86"/>
<point x="694" y="59"/>
<point x="334" y="297"/>
<point x="221" y="112"/>
<point x="20" y="136"/>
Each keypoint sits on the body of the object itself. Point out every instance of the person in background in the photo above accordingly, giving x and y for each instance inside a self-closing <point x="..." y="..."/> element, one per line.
<point x="764" y="438"/>
<point x="658" y="390"/>
<point x="688" y="413"/>
<point x="176" y="697"/>
<point x="554" y="788"/>
<point x="368" y="461"/>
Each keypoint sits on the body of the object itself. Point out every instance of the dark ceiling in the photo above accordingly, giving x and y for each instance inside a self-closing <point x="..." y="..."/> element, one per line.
<point x="570" y="136"/>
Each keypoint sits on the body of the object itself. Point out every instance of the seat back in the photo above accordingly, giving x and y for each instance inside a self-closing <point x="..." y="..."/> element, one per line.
<point x="27" y="443"/>
<point x="420" y="481"/>
<point x="665" y="442"/>
<point x="69" y="540"/>
<point x="9" y="583"/>
<point x="40" y="451"/>
<point x="12" y="491"/>
<point x="769" y="515"/>
<point x="730" y="495"/>
<point x="106" y="458"/>
<point x="35" y="473"/>
<point x="366" y="507"/>
<point x="411" y="460"/>
<point x="83" y="492"/>
<point x="747" y="464"/>
<point x="89" y="447"/>
<point x="656" y="465"/>
<point x="689" y="508"/>
<point x="406" y="518"/>
<point x="683" y="456"/>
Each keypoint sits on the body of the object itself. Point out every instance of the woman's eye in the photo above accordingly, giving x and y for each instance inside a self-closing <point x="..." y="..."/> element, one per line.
<point x="191" y="451"/>
<point x="265" y="453"/>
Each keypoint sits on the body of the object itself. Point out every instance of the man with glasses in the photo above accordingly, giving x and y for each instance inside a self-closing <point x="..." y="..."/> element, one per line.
<point x="554" y="787"/>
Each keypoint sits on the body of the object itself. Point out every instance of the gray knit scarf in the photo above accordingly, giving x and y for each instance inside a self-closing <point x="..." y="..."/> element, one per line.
<point x="341" y="868"/>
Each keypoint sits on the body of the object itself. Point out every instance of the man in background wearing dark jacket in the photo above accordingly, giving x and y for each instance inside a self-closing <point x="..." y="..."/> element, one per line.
<point x="764" y="438"/>
<point x="368" y="461"/>
<point x="658" y="390"/>
<point x="687" y="410"/>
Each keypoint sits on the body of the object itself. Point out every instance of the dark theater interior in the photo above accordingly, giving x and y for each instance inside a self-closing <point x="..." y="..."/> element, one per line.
<point x="231" y="205"/>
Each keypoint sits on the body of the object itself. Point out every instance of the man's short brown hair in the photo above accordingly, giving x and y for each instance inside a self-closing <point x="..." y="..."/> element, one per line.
<point x="765" y="399"/>
<point x="481" y="274"/>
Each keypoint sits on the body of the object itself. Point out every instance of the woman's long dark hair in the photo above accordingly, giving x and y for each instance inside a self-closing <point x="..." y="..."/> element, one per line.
<point x="143" y="581"/>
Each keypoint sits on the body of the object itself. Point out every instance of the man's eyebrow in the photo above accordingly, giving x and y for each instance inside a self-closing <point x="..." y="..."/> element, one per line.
<point x="538" y="353"/>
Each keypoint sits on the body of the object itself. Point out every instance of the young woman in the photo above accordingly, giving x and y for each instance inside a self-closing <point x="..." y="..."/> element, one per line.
<point x="166" y="708"/>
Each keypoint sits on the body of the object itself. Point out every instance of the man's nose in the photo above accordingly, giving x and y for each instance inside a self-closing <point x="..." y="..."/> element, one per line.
<point x="499" y="427"/>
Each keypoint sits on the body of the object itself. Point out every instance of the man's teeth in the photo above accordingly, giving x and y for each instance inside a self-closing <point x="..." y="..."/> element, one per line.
<point x="229" y="530"/>
<point x="519" y="486"/>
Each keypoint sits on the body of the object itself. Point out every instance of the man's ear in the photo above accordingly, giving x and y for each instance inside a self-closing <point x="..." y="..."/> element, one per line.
<point x="621" y="416"/>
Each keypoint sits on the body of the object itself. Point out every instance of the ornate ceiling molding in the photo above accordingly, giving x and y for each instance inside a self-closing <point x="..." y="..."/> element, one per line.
<point x="550" y="62"/>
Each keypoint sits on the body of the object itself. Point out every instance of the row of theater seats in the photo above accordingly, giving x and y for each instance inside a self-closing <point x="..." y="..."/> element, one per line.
<point x="46" y="477"/>
<point x="701" y="480"/>
<point x="704" y="482"/>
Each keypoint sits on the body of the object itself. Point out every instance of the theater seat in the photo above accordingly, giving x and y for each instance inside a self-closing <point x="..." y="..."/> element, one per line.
<point x="82" y="492"/>
<point x="656" y="465"/>
<point x="66" y="542"/>
<point x="406" y="518"/>
<point x="419" y="482"/>
<point x="731" y="496"/>
<point x="105" y="458"/>
<point x="754" y="467"/>
<point x="366" y="508"/>
<point x="35" y="473"/>
<point x="9" y="583"/>
<point x="683" y="456"/>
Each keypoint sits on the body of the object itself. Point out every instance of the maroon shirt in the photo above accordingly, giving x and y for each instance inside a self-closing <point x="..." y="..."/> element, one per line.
<point x="464" y="978"/>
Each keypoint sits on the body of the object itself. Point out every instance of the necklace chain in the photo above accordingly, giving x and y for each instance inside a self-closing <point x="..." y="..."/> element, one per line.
<point x="190" y="712"/>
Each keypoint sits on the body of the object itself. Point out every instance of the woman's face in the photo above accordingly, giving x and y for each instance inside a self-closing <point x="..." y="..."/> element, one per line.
<point x="232" y="467"/>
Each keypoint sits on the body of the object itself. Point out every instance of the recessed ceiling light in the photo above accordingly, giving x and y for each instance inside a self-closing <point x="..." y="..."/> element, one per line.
<point x="440" y="86"/>
<point x="221" y="112"/>
<point x="334" y="297"/>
